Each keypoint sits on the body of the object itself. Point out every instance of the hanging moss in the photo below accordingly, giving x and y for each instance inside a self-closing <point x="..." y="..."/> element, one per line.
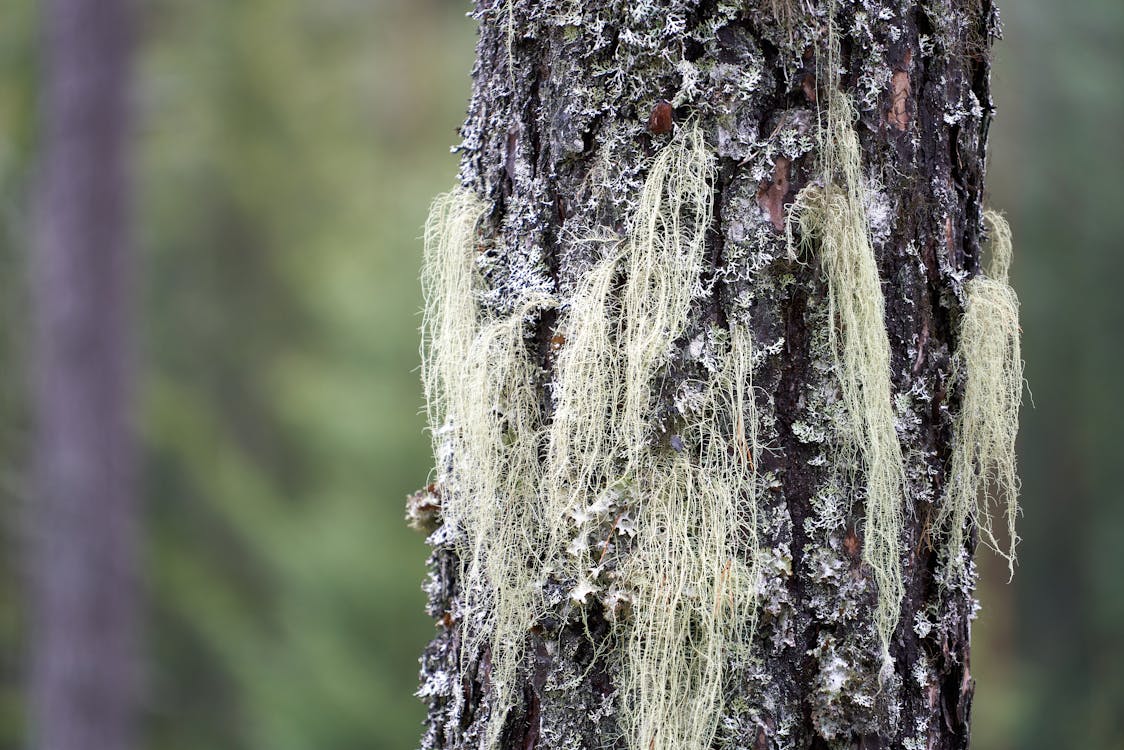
<point x="835" y="217"/>
<point x="982" y="473"/>
<point x="688" y="574"/>
<point x="450" y="319"/>
<point x="583" y="447"/>
<point x="688" y="566"/>
<point x="693" y="568"/>
<point x="619" y="329"/>
<point x="487" y="432"/>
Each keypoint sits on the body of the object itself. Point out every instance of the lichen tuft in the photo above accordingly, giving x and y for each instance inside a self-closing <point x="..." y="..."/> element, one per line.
<point x="835" y="216"/>
<point x="487" y="429"/>
<point x="982" y="472"/>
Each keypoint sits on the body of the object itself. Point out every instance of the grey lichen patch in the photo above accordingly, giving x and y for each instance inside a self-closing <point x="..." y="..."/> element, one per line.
<point x="569" y="707"/>
<point x="875" y="75"/>
<point x="757" y="202"/>
<point x="807" y="433"/>
<point x="442" y="684"/>
<point x="848" y="699"/>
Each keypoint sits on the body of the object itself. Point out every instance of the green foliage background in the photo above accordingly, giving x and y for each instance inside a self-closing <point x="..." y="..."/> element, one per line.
<point x="286" y="152"/>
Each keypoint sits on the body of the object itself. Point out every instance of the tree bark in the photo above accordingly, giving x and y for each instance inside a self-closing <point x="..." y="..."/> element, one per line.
<point x="570" y="103"/>
<point x="83" y="661"/>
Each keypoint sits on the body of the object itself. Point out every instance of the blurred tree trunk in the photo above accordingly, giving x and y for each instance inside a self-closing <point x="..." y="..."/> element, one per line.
<point x="82" y="567"/>
<point x="565" y="116"/>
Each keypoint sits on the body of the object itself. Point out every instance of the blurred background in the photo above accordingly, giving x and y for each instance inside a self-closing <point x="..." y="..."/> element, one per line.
<point x="285" y="154"/>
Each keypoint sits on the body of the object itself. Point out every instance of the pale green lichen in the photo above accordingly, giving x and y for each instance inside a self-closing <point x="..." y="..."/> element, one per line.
<point x="450" y="318"/>
<point x="486" y="427"/>
<point x="693" y="567"/>
<point x="835" y="216"/>
<point x="615" y="340"/>
<point x="982" y="473"/>
<point x="689" y="570"/>
<point x="516" y="491"/>
<point x="663" y="263"/>
<point x="583" y="445"/>
<point x="593" y="497"/>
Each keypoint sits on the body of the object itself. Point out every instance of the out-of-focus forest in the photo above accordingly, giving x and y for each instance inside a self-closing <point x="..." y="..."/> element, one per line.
<point x="285" y="152"/>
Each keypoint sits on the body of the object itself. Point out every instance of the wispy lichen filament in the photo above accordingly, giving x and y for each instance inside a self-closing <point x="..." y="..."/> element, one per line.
<point x="982" y="472"/>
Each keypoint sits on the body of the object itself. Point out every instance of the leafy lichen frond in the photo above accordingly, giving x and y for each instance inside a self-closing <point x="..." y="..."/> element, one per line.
<point x="982" y="474"/>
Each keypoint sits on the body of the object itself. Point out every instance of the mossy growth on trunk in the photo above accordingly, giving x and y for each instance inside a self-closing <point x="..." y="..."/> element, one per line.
<point x="833" y="217"/>
<point x="522" y="502"/>
<point x="689" y="480"/>
<point x="982" y="474"/>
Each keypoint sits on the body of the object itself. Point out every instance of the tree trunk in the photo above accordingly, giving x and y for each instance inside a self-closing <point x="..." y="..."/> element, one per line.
<point x="571" y="104"/>
<point x="82" y="664"/>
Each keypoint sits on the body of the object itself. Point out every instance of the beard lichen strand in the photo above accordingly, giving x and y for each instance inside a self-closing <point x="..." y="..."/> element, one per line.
<point x="583" y="444"/>
<point x="785" y="12"/>
<point x="982" y="473"/>
<point x="693" y="568"/>
<point x="835" y="215"/>
<point x="485" y="419"/>
<point x="499" y="475"/>
<point x="617" y="339"/>
<point x="450" y="315"/>
<point x="663" y="264"/>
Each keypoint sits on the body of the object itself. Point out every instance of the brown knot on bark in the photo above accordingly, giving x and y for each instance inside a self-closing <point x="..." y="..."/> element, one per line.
<point x="660" y="120"/>
<point x="771" y="193"/>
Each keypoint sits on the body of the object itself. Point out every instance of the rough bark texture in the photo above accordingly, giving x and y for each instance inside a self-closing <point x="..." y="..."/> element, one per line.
<point x="82" y="546"/>
<point x="565" y="117"/>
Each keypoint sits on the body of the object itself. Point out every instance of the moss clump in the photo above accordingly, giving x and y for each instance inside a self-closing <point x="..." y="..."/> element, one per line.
<point x="982" y="472"/>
